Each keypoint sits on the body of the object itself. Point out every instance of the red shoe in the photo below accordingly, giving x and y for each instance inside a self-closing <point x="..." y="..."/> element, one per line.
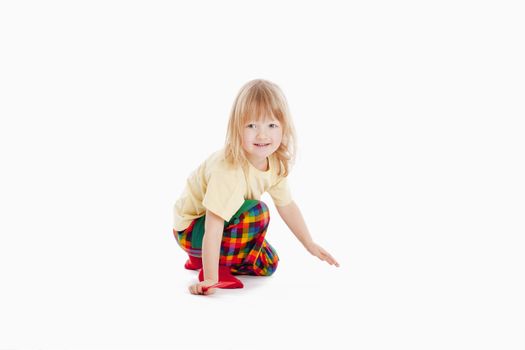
<point x="225" y="275"/>
<point x="193" y="263"/>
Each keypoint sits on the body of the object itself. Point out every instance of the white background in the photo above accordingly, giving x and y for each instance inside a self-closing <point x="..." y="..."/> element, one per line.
<point x="410" y="172"/>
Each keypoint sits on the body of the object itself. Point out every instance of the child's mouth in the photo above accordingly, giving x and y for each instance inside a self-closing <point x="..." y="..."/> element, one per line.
<point x="261" y="144"/>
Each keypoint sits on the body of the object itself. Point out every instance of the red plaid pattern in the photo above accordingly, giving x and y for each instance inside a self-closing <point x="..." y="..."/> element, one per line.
<point x="243" y="245"/>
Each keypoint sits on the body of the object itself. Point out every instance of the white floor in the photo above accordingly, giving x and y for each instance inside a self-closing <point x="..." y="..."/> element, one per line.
<point x="128" y="290"/>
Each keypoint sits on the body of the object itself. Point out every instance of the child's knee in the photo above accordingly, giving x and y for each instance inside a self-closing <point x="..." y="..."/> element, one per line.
<point x="272" y="268"/>
<point x="262" y="212"/>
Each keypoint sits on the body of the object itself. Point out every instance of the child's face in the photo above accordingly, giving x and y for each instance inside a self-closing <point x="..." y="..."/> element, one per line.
<point x="261" y="138"/>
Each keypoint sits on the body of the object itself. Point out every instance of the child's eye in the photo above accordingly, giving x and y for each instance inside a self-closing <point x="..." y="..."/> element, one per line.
<point x="252" y="126"/>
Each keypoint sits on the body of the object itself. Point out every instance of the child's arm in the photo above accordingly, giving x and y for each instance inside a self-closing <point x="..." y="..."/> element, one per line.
<point x="211" y="246"/>
<point x="294" y="219"/>
<point x="211" y="251"/>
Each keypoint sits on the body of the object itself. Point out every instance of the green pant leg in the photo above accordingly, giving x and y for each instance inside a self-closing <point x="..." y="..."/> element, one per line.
<point x="198" y="229"/>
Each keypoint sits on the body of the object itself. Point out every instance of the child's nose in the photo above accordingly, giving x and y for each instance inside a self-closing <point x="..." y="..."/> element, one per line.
<point x="261" y="134"/>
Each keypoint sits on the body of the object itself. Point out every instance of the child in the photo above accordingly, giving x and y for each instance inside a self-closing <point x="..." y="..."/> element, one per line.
<point x="219" y="219"/>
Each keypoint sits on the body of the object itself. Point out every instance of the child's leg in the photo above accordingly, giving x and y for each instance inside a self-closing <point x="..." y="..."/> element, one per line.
<point x="190" y="240"/>
<point x="243" y="247"/>
<point x="187" y="240"/>
<point x="265" y="264"/>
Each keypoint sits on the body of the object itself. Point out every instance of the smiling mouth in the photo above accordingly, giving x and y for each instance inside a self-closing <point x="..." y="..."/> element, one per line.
<point x="261" y="144"/>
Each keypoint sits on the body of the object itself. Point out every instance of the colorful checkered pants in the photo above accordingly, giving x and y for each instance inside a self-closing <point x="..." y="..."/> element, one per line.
<point x="243" y="245"/>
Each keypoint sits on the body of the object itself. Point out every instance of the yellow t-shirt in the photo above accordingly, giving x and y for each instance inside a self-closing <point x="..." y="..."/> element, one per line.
<point x="221" y="188"/>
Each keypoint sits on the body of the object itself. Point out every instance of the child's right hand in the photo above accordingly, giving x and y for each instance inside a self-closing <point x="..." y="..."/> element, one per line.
<point x="197" y="287"/>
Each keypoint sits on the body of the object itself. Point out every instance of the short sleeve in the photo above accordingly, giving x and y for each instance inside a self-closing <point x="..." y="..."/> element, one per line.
<point x="224" y="194"/>
<point x="280" y="192"/>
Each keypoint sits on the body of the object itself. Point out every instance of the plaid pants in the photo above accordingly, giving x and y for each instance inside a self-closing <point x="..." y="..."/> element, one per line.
<point x="243" y="246"/>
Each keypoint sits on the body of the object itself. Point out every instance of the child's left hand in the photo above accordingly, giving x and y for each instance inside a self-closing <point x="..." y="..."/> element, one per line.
<point x="318" y="251"/>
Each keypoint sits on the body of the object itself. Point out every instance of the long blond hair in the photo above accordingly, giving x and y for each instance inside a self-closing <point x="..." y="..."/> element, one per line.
<point x="256" y="99"/>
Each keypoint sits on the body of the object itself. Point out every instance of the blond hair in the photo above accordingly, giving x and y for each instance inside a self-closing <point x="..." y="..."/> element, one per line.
<point x="257" y="99"/>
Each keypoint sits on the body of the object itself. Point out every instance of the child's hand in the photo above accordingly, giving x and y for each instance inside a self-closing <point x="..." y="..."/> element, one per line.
<point x="197" y="287"/>
<point x="318" y="251"/>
